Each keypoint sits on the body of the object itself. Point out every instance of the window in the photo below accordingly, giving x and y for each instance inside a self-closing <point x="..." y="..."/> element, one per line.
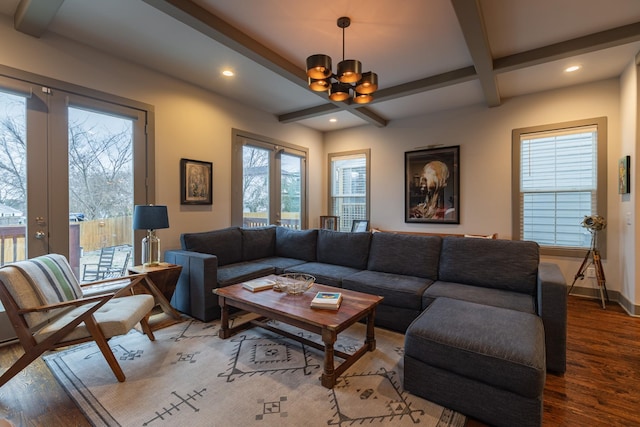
<point x="559" y="177"/>
<point x="268" y="182"/>
<point x="349" y="187"/>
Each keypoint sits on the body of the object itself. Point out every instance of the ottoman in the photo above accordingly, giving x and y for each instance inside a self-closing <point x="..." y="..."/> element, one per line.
<point x="485" y="362"/>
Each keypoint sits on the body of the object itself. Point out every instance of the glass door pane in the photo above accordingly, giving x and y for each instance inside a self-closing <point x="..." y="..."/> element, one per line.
<point x="291" y="191"/>
<point x="255" y="186"/>
<point x="13" y="177"/>
<point x="100" y="192"/>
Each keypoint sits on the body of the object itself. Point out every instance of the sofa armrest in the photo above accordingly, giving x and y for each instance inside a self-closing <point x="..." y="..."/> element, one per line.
<point x="194" y="291"/>
<point x="552" y="307"/>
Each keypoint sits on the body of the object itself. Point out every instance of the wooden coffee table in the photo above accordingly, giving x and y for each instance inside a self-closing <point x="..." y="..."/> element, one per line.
<point x="295" y="310"/>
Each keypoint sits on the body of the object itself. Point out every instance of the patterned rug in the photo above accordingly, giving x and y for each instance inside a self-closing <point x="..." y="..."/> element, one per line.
<point x="190" y="377"/>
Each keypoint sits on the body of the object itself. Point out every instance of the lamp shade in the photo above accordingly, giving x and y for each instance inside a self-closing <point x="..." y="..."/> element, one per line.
<point x="150" y="217"/>
<point x="319" y="66"/>
<point x="368" y="83"/>
<point x="349" y="71"/>
<point x="319" y="85"/>
<point x="339" y="91"/>
<point x="362" y="98"/>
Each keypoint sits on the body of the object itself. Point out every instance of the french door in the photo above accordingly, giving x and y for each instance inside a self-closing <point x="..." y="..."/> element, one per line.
<point x="268" y="182"/>
<point x="67" y="175"/>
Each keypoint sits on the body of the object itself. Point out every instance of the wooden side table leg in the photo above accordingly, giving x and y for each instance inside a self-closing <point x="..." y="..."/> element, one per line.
<point x="160" y="299"/>
<point x="328" y="379"/>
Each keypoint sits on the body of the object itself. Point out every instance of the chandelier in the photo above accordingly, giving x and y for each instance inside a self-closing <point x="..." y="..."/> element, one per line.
<point x="348" y="78"/>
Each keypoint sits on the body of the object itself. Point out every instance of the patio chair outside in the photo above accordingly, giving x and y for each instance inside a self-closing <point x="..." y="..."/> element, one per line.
<point x="91" y="272"/>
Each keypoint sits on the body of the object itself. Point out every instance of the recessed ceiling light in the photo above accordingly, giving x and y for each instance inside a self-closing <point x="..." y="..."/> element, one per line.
<point x="228" y="73"/>
<point x="333" y="120"/>
<point x="572" y="68"/>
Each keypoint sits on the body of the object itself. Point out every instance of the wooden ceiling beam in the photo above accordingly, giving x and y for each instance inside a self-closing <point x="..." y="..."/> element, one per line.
<point x="590" y="43"/>
<point x="475" y="34"/>
<point x="33" y="17"/>
<point x="387" y="94"/>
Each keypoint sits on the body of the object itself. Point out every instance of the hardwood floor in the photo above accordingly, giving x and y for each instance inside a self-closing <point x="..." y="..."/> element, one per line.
<point x="600" y="388"/>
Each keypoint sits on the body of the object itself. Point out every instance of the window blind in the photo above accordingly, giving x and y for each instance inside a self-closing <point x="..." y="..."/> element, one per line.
<point x="558" y="185"/>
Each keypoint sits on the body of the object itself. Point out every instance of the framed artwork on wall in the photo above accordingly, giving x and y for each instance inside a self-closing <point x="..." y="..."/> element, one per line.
<point x="196" y="179"/>
<point x="432" y="185"/>
<point x="624" y="183"/>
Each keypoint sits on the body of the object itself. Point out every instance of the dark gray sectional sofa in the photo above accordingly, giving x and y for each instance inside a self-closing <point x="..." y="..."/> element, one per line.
<point x="409" y="271"/>
<point x="483" y="319"/>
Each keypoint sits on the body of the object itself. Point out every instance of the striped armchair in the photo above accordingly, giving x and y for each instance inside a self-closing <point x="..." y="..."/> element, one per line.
<point x="46" y="307"/>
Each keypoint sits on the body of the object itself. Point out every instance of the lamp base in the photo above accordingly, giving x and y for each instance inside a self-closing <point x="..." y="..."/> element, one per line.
<point x="151" y="250"/>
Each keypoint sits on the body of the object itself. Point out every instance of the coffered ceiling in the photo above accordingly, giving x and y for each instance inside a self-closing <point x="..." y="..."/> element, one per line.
<point x="429" y="55"/>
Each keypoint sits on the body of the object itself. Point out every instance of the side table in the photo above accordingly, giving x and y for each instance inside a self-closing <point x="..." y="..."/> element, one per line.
<point x="160" y="281"/>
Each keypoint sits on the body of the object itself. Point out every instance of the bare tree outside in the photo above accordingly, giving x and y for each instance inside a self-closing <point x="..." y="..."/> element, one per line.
<point x="13" y="146"/>
<point x="255" y="185"/>
<point x="100" y="165"/>
<point x="100" y="161"/>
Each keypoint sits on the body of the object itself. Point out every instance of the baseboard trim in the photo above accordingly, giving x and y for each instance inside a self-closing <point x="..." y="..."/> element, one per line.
<point x="614" y="296"/>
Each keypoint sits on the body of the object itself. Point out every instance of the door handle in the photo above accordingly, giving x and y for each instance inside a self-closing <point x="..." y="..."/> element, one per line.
<point x="40" y="235"/>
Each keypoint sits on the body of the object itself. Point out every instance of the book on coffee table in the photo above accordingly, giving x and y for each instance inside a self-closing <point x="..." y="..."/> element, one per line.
<point x="327" y="300"/>
<point x="259" y="284"/>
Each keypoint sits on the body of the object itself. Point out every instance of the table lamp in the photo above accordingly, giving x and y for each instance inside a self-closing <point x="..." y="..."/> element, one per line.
<point x="150" y="218"/>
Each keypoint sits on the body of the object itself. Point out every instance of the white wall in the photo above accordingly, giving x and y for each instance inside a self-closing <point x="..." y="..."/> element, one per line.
<point x="189" y="122"/>
<point x="484" y="136"/>
<point x="629" y="232"/>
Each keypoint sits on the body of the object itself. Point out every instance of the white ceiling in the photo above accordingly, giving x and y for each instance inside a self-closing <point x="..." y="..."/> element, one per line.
<point x="423" y="51"/>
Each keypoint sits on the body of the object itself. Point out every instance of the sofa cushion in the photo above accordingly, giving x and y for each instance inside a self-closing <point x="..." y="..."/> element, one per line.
<point x="280" y="263"/>
<point x="496" y="346"/>
<point x="487" y="296"/>
<point x="347" y="249"/>
<point x="326" y="274"/>
<point x="225" y="244"/>
<point x="300" y="244"/>
<point x="258" y="242"/>
<point x="511" y="265"/>
<point x="397" y="290"/>
<point x="405" y="254"/>
<point x="241" y="272"/>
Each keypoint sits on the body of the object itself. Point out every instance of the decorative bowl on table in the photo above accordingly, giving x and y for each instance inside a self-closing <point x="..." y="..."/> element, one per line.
<point x="294" y="283"/>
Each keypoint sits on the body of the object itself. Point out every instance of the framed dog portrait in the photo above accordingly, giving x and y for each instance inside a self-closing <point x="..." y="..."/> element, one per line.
<point x="196" y="182"/>
<point x="432" y="185"/>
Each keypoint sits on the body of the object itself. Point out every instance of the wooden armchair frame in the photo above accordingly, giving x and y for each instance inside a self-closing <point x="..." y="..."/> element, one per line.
<point x="34" y="349"/>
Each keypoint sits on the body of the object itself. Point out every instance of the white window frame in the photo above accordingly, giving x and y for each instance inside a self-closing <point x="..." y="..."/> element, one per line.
<point x="599" y="207"/>
<point x="344" y="222"/>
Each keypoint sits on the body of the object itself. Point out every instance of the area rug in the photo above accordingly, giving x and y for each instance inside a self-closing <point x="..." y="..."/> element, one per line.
<point x="190" y="377"/>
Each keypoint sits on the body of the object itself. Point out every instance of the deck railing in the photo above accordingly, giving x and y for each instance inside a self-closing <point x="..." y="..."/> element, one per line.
<point x="12" y="243"/>
<point x="263" y="222"/>
<point x="85" y="236"/>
